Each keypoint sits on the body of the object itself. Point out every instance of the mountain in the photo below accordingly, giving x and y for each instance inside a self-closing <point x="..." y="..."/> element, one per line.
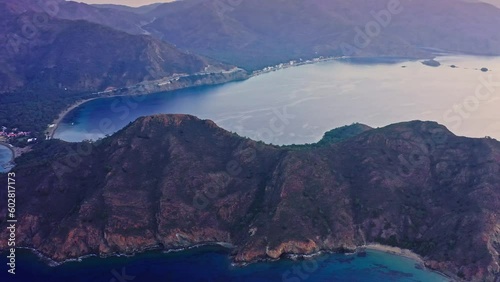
<point x="138" y="10"/>
<point x="82" y="56"/>
<point x="255" y="34"/>
<point x="119" y="19"/>
<point x="171" y="181"/>
<point x="495" y="3"/>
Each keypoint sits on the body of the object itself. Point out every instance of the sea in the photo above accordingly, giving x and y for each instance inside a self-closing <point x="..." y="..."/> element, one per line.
<point x="5" y="158"/>
<point x="298" y="105"/>
<point x="213" y="264"/>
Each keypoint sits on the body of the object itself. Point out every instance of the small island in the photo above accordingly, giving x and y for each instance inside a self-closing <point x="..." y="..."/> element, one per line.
<point x="431" y="63"/>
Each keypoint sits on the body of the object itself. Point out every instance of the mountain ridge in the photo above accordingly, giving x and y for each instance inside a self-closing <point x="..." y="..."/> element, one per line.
<point x="81" y="56"/>
<point x="276" y="33"/>
<point x="175" y="181"/>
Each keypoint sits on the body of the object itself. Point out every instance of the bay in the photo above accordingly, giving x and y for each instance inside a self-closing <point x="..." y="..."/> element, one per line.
<point x="297" y="105"/>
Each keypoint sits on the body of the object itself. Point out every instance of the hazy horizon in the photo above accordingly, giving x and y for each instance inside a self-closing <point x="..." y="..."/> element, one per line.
<point x="131" y="3"/>
<point x="138" y="3"/>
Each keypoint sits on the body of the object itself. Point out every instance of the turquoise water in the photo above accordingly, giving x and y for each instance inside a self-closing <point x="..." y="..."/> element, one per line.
<point x="5" y="157"/>
<point x="297" y="105"/>
<point x="213" y="264"/>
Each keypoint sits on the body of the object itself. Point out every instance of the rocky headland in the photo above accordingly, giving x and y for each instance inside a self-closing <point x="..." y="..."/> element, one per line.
<point x="174" y="181"/>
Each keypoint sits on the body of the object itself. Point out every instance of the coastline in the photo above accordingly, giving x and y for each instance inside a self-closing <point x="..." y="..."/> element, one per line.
<point x="16" y="152"/>
<point x="404" y="253"/>
<point x="407" y="254"/>
<point x="11" y="149"/>
<point x="395" y="251"/>
<point x="52" y="130"/>
<point x="7" y="166"/>
<point x="150" y="87"/>
<point x="146" y="86"/>
<point x="52" y="263"/>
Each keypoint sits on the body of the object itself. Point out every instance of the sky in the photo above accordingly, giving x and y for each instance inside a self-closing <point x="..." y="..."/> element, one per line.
<point x="493" y="2"/>
<point x="136" y="3"/>
<point x="132" y="3"/>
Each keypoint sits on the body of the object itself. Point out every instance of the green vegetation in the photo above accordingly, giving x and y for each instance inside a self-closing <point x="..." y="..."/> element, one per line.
<point x="33" y="111"/>
<point x="342" y="133"/>
<point x="43" y="154"/>
<point x="334" y="136"/>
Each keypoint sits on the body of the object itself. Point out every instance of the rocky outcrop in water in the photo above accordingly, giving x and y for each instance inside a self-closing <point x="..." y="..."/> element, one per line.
<point x="431" y="63"/>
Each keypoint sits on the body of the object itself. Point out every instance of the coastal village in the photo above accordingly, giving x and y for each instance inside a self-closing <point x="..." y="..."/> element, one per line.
<point x="295" y="63"/>
<point x="15" y="134"/>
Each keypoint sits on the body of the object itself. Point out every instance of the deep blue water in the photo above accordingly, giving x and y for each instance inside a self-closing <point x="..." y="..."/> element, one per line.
<point x="213" y="264"/>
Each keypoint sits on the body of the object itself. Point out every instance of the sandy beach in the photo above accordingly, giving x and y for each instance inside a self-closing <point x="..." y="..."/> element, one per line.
<point x="57" y="121"/>
<point x="395" y="251"/>
<point x="407" y="254"/>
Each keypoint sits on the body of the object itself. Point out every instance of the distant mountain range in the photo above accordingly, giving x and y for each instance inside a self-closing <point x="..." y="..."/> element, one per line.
<point x="138" y="10"/>
<point x="249" y="34"/>
<point x="255" y="34"/>
<point x="78" y="55"/>
<point x="173" y="181"/>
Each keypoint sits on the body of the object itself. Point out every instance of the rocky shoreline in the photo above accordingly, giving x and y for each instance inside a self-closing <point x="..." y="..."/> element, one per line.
<point x="230" y="247"/>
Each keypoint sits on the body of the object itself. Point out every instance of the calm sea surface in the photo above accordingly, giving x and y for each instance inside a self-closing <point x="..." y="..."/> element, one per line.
<point x="297" y="105"/>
